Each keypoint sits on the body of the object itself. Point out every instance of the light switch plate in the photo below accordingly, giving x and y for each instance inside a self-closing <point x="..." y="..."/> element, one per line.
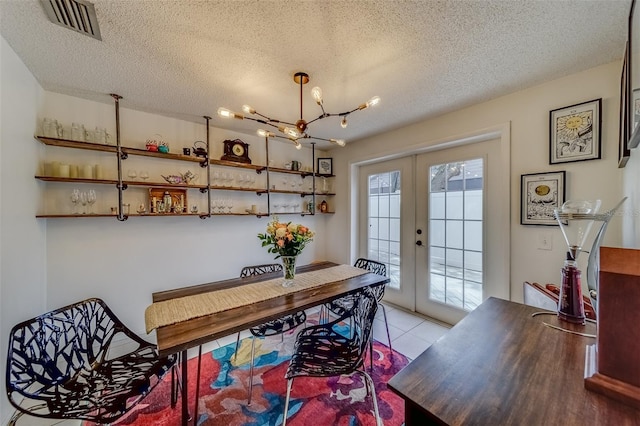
<point x="545" y="241"/>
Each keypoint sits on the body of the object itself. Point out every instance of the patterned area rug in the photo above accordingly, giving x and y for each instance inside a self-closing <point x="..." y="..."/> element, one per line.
<point x="224" y="384"/>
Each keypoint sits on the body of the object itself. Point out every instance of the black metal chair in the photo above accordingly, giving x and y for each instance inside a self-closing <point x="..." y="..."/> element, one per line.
<point x="321" y="351"/>
<point x="342" y="305"/>
<point x="274" y="327"/>
<point x="59" y="365"/>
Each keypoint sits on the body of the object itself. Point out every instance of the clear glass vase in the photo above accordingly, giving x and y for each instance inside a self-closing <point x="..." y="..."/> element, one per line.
<point x="289" y="269"/>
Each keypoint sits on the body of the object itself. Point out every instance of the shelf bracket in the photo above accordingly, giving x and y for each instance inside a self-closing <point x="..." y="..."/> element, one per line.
<point x="205" y="163"/>
<point x="204" y="190"/>
<point x="120" y="156"/>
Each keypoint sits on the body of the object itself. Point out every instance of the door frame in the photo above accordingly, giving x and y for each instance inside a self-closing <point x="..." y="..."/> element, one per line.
<point x="500" y="131"/>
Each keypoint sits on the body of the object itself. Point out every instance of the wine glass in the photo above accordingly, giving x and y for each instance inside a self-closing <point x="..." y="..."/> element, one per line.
<point x="229" y="204"/>
<point x="144" y="175"/>
<point x="75" y="199"/>
<point x="284" y="183"/>
<point x="216" y="178"/>
<point x="91" y="199"/>
<point x="83" y="201"/>
<point x="276" y="207"/>
<point x="240" y="180"/>
<point x="132" y="174"/>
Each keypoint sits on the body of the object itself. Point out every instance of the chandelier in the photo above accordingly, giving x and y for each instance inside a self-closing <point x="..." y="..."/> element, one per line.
<point x="299" y="129"/>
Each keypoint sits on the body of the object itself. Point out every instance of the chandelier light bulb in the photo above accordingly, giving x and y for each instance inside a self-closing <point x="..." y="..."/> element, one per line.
<point x="339" y="142"/>
<point x="265" y="133"/>
<point x="248" y="110"/>
<point x="297" y="144"/>
<point x="223" y="112"/>
<point x="344" y="123"/>
<point x="291" y="132"/>
<point x="373" y="101"/>
<point x="316" y="92"/>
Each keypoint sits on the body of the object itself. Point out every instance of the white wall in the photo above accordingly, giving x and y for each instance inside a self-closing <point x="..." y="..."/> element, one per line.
<point x="22" y="237"/>
<point x="528" y="113"/>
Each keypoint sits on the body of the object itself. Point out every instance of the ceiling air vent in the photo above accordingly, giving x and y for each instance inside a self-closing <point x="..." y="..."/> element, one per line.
<point x="77" y="15"/>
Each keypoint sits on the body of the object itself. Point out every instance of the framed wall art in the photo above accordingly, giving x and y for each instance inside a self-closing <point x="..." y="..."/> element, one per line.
<point x="541" y="193"/>
<point x="635" y="115"/>
<point x="325" y="166"/>
<point x="575" y="132"/>
<point x="623" y="148"/>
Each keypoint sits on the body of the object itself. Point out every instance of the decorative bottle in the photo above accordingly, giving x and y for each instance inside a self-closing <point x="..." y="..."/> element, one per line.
<point x="570" y="303"/>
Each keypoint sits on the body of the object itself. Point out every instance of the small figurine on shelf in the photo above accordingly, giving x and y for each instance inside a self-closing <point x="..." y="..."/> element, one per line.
<point x="324" y="207"/>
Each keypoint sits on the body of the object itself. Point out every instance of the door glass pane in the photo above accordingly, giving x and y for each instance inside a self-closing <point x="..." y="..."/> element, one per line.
<point x="455" y="243"/>
<point x="383" y="242"/>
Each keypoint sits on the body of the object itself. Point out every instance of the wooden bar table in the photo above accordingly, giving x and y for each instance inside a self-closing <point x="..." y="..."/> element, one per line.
<point x="502" y="366"/>
<point x="179" y="336"/>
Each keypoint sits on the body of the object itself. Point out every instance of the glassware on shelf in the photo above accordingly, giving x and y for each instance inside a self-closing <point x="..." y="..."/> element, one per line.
<point x="144" y="175"/>
<point x="75" y="199"/>
<point x="83" y="201"/>
<point x="91" y="199"/>
<point x="240" y="180"/>
<point x="132" y="174"/>
<point x="77" y="132"/>
<point x="216" y="178"/>
<point x="325" y="185"/>
<point x="229" y="204"/>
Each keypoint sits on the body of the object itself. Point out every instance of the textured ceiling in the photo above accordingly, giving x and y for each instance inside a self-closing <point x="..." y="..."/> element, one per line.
<point x="186" y="58"/>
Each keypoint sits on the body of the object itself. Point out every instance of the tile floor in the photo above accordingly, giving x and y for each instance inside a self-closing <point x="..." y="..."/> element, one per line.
<point x="410" y="334"/>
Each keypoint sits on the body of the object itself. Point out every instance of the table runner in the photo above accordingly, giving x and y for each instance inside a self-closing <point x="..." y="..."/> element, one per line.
<point x="185" y="308"/>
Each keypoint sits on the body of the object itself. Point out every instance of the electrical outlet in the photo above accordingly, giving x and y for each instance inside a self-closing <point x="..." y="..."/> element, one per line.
<point x="545" y="241"/>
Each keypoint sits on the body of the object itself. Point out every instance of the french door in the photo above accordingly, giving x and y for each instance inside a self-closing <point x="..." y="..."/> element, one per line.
<point x="462" y="202"/>
<point x="387" y="211"/>
<point x="429" y="218"/>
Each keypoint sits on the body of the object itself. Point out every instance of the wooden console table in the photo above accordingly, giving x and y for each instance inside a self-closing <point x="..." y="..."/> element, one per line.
<point x="501" y="366"/>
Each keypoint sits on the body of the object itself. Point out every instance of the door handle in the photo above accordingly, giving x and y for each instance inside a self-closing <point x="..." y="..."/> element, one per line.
<point x="418" y="243"/>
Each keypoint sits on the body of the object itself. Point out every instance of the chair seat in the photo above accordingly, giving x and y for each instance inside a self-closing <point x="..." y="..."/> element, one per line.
<point x="280" y="325"/>
<point x="331" y="354"/>
<point x="341" y="306"/>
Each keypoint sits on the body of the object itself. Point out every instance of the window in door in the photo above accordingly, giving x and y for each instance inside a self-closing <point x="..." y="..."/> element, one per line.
<point x="383" y="240"/>
<point x="455" y="233"/>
